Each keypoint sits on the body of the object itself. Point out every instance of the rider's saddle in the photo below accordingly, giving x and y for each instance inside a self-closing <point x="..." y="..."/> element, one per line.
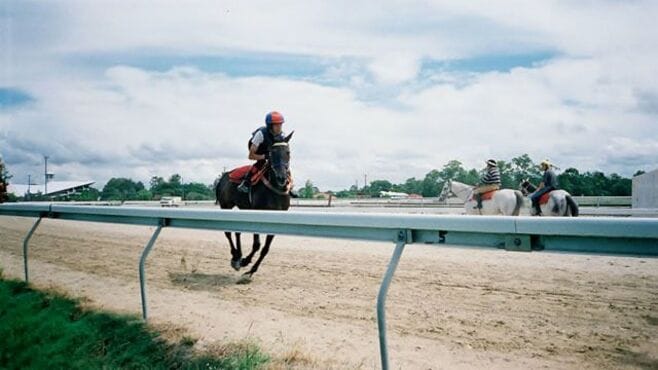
<point x="237" y="174"/>
<point x="485" y="196"/>
<point x="544" y="198"/>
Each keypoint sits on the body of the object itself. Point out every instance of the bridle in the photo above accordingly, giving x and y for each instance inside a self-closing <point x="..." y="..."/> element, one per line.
<point x="525" y="185"/>
<point x="271" y="165"/>
<point x="457" y="193"/>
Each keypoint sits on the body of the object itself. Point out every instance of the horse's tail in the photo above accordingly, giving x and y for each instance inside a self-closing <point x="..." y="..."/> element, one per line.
<point x="519" y="203"/>
<point x="572" y="205"/>
<point x="219" y="184"/>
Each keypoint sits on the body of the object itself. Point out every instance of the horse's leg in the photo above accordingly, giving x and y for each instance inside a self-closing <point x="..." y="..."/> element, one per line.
<point x="263" y="253"/>
<point x="563" y="209"/>
<point x="235" y="254"/>
<point x="238" y="246"/>
<point x="246" y="261"/>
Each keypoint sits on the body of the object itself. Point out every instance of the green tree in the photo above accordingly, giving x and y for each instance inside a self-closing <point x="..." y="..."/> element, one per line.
<point x="506" y="175"/>
<point x="88" y="195"/>
<point x="620" y="186"/>
<point x="144" y="195"/>
<point x="412" y="186"/>
<point x="172" y="187"/>
<point x="452" y="170"/>
<point x="308" y="190"/>
<point x="430" y="185"/>
<point x="471" y="177"/>
<point x="4" y="182"/>
<point x="198" y="191"/>
<point x="570" y="180"/>
<point x="522" y="168"/>
<point x="378" y="186"/>
<point x="119" y="188"/>
<point x="155" y="183"/>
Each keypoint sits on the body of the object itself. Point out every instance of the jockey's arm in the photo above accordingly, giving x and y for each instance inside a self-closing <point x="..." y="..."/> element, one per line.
<point x="252" y="153"/>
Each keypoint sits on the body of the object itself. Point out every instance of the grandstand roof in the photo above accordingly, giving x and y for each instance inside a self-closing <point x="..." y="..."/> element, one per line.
<point x="54" y="187"/>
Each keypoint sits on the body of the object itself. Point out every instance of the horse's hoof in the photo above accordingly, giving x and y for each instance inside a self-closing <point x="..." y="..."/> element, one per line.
<point x="245" y="262"/>
<point x="244" y="279"/>
<point x="236" y="265"/>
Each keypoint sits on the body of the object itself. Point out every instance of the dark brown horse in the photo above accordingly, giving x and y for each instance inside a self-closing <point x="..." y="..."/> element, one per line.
<point x="271" y="193"/>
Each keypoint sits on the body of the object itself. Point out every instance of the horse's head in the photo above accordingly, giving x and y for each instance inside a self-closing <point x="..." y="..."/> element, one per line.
<point x="446" y="190"/>
<point x="525" y="186"/>
<point x="280" y="161"/>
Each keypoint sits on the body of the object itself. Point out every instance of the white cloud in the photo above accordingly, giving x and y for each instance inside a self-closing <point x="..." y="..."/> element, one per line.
<point x="395" y="68"/>
<point x="591" y="107"/>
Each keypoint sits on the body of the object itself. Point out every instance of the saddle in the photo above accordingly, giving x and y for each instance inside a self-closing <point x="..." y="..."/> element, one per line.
<point x="544" y="198"/>
<point x="485" y="196"/>
<point x="236" y="175"/>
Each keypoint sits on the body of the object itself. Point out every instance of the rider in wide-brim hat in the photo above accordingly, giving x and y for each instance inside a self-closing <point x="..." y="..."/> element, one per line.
<point x="548" y="183"/>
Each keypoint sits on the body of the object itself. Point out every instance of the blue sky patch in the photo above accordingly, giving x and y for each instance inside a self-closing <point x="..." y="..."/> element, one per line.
<point x="490" y="63"/>
<point x="13" y="97"/>
<point x="234" y="65"/>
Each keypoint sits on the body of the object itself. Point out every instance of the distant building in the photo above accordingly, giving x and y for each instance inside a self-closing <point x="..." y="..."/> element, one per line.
<point x="55" y="188"/>
<point x="645" y="190"/>
<point x="393" y="195"/>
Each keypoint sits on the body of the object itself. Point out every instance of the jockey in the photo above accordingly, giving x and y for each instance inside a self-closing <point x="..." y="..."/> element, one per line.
<point x="548" y="184"/>
<point x="489" y="181"/>
<point x="260" y="143"/>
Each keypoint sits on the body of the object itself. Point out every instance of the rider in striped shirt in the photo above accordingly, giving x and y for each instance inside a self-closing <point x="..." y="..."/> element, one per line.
<point x="489" y="181"/>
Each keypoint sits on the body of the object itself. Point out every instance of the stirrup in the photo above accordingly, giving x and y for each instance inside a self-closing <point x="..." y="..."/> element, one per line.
<point x="243" y="187"/>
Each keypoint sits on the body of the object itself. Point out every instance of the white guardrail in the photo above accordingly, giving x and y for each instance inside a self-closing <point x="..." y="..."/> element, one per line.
<point x="603" y="235"/>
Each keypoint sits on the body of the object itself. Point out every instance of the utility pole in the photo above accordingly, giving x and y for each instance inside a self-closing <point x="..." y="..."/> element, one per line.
<point x="365" y="180"/>
<point x="45" y="175"/>
<point x="29" y="182"/>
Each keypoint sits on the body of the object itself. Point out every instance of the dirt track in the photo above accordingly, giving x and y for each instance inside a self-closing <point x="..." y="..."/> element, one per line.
<point x="447" y="308"/>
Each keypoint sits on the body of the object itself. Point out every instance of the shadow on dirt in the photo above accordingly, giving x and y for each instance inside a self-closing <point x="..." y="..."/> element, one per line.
<point x="199" y="281"/>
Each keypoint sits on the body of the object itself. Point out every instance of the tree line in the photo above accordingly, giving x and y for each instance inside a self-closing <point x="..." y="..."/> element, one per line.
<point x="594" y="183"/>
<point x="122" y="189"/>
<point x="4" y="182"/>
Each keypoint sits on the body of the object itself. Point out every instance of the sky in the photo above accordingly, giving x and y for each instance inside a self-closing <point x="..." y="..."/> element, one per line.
<point x="389" y="89"/>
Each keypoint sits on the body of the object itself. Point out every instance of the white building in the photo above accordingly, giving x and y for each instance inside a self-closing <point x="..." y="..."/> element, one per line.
<point x="645" y="190"/>
<point x="55" y="188"/>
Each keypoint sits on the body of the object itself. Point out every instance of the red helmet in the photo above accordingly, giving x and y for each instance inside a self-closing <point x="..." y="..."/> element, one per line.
<point x="273" y="117"/>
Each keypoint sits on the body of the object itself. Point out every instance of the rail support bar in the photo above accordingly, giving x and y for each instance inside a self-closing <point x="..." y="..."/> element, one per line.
<point x="142" y="275"/>
<point x="26" y="242"/>
<point x="381" y="297"/>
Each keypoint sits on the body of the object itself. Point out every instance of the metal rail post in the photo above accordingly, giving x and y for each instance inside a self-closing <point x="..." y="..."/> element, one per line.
<point x="25" y="244"/>
<point x="381" y="297"/>
<point x="142" y="261"/>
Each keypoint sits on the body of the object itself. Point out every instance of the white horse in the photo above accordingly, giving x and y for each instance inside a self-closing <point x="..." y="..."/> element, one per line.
<point x="560" y="202"/>
<point x="505" y="202"/>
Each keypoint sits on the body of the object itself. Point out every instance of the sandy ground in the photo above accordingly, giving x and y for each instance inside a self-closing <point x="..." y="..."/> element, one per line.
<point x="448" y="308"/>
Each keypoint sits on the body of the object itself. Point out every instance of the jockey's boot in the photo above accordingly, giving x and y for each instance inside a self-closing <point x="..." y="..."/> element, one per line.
<point x="245" y="184"/>
<point x="293" y="194"/>
<point x="537" y="209"/>
<point x="478" y="198"/>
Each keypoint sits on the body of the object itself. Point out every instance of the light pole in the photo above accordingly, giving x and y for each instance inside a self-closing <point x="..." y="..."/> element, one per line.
<point x="45" y="175"/>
